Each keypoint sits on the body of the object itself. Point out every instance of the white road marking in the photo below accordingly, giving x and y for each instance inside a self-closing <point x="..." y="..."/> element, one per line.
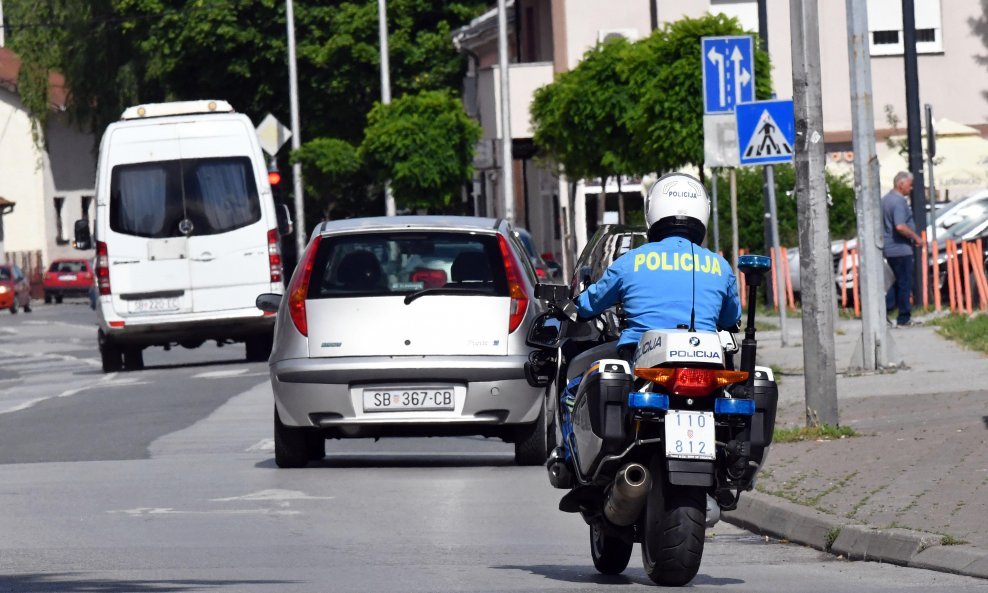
<point x="220" y="374"/>
<point x="275" y="495"/>
<point x="263" y="445"/>
<point x="148" y="511"/>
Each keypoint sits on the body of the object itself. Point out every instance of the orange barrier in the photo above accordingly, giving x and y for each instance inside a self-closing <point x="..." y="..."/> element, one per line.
<point x="788" y="275"/>
<point x="741" y="288"/>
<point x="979" y="258"/>
<point x="854" y="278"/>
<point x="775" y="286"/>
<point x="936" y="276"/>
<point x="978" y="272"/>
<point x="952" y="275"/>
<point x="926" y="290"/>
<point x="843" y="280"/>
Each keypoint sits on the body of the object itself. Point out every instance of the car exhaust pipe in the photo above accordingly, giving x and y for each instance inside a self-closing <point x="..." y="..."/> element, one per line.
<point x="626" y="496"/>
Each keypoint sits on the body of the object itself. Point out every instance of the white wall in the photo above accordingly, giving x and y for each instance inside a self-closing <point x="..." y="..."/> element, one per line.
<point x="21" y="178"/>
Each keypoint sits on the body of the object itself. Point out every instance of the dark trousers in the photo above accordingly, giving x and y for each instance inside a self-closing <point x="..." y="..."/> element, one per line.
<point x="898" y="296"/>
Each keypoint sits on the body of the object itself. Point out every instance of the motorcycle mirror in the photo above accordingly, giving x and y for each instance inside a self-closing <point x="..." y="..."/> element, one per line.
<point x="551" y="292"/>
<point x="546" y="332"/>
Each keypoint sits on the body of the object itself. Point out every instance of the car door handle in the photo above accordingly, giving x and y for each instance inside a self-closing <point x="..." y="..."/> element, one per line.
<point x="205" y="256"/>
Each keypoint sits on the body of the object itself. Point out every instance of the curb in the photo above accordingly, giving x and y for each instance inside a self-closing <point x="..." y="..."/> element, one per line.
<point x="776" y="517"/>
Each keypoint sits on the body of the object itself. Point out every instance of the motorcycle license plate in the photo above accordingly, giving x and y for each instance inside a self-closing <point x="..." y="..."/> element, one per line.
<point x="690" y="435"/>
<point x="390" y="400"/>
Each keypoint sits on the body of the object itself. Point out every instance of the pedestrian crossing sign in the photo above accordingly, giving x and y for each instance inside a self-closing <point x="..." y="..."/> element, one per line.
<point x="766" y="132"/>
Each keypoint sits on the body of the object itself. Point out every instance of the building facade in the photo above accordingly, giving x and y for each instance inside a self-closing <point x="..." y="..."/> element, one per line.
<point x="550" y="36"/>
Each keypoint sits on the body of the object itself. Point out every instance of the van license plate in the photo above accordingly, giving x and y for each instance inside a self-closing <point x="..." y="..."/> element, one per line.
<point x="690" y="435"/>
<point x="153" y="305"/>
<point x="388" y="400"/>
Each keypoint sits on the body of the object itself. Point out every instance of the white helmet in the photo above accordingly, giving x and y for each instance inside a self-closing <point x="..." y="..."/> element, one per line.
<point x="677" y="204"/>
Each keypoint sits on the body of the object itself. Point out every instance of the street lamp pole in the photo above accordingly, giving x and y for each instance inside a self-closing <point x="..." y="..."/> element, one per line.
<point x="300" y="233"/>
<point x="507" y="164"/>
<point x="382" y="31"/>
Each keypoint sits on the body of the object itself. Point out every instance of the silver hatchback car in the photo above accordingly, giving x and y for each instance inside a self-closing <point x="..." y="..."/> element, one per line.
<point x="406" y="326"/>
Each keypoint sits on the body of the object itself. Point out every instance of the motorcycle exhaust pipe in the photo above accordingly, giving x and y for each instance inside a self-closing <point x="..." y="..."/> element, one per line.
<point x="626" y="496"/>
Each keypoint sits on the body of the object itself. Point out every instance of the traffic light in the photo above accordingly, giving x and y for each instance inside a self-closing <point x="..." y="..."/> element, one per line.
<point x="274" y="176"/>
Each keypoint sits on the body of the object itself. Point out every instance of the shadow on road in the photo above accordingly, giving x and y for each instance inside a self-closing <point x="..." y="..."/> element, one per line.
<point x="587" y="574"/>
<point x="68" y="583"/>
<point x="415" y="460"/>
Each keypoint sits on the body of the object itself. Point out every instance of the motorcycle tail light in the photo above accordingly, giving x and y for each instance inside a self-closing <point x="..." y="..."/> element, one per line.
<point x="512" y="269"/>
<point x="691" y="382"/>
<point x="298" y="290"/>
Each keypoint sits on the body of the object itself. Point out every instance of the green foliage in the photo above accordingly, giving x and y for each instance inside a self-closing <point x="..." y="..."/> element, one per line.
<point x="972" y="332"/>
<point x="665" y="74"/>
<point x="750" y="181"/>
<point x="578" y="119"/>
<point x="424" y="145"/>
<point x="336" y="175"/>
<point x="824" y="432"/>
<point x="117" y="53"/>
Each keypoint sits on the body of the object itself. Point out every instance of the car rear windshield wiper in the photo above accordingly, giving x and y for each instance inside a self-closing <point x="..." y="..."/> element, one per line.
<point x="446" y="290"/>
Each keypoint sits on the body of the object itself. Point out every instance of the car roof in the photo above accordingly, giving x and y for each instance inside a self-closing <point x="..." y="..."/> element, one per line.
<point x="379" y="223"/>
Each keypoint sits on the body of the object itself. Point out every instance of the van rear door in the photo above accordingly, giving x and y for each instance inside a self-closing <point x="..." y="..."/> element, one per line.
<point x="226" y="197"/>
<point x="147" y="251"/>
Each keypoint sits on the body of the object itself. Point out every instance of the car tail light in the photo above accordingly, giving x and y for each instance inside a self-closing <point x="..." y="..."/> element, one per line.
<point x="299" y="288"/>
<point x="102" y="269"/>
<point x="274" y="255"/>
<point x="429" y="278"/>
<point x="689" y="382"/>
<point x="540" y="272"/>
<point x="519" y="302"/>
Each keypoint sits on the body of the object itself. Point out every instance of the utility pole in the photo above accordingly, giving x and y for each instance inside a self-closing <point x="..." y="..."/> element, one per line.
<point x="382" y="32"/>
<point x="914" y="137"/>
<point x="816" y="265"/>
<point x="507" y="163"/>
<point x="769" y="232"/>
<point x="301" y="236"/>
<point x="867" y="190"/>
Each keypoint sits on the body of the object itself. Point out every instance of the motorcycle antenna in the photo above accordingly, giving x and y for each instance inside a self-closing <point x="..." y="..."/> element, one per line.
<point x="693" y="281"/>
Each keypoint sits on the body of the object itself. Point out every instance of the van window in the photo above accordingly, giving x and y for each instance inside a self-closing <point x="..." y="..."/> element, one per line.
<point x="391" y="264"/>
<point x="215" y="195"/>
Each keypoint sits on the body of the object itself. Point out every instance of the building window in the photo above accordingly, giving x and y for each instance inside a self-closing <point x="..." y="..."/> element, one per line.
<point x="86" y="201"/>
<point x="59" y="227"/>
<point x="885" y="24"/>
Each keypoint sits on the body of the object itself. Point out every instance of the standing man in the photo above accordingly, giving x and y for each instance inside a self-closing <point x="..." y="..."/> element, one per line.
<point x="900" y="237"/>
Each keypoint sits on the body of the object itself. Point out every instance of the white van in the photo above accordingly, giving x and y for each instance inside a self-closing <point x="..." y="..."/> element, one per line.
<point x="186" y="232"/>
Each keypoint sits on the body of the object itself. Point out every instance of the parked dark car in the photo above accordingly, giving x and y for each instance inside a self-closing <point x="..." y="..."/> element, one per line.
<point x="543" y="270"/>
<point x="15" y="290"/>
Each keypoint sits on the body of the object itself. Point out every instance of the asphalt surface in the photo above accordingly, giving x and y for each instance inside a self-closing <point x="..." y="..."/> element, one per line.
<point x="912" y="488"/>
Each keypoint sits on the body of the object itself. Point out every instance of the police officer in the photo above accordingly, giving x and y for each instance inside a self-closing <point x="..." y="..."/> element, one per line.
<point x="671" y="281"/>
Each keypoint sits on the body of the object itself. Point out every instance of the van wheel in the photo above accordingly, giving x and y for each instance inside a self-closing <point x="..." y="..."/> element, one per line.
<point x="290" y="444"/>
<point x="111" y="357"/>
<point x="133" y="358"/>
<point x="259" y="347"/>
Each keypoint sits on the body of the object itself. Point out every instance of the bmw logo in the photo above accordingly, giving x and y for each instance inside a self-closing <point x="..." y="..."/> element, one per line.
<point x="694" y="341"/>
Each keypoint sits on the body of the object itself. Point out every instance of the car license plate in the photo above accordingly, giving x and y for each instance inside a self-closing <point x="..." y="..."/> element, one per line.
<point x="67" y="277"/>
<point x="153" y="305"/>
<point x="690" y="435"/>
<point x="387" y="400"/>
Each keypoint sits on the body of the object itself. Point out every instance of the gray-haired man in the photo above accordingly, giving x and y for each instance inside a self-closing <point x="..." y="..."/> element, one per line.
<point x="900" y="237"/>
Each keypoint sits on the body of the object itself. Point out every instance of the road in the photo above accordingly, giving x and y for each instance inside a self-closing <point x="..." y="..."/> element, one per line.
<point x="164" y="480"/>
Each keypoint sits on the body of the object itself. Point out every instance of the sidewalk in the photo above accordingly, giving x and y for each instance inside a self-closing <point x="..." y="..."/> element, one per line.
<point x="912" y="488"/>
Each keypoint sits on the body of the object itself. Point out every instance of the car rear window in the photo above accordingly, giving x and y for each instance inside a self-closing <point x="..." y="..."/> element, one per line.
<point x="215" y="195"/>
<point x="392" y="264"/>
<point x="4" y="273"/>
<point x="68" y="266"/>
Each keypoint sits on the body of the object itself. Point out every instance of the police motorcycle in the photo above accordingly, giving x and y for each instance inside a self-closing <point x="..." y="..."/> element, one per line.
<point x="646" y="445"/>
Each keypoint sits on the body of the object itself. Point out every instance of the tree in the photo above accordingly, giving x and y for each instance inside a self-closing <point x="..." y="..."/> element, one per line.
<point x="423" y="144"/>
<point x="117" y="53"/>
<point x="664" y="73"/>
<point x="336" y="182"/>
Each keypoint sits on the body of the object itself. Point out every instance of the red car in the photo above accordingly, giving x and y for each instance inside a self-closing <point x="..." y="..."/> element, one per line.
<point x="67" y="277"/>
<point x="15" y="290"/>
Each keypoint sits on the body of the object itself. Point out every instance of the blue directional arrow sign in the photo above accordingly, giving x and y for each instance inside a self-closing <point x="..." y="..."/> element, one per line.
<point x="728" y="72"/>
<point x="766" y="132"/>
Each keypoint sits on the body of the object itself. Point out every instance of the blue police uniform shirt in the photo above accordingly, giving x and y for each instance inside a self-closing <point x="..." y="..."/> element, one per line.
<point x="655" y="283"/>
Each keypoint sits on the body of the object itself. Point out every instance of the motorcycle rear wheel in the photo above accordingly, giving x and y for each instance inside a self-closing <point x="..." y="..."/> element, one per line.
<point x="674" y="525"/>
<point x="610" y="554"/>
